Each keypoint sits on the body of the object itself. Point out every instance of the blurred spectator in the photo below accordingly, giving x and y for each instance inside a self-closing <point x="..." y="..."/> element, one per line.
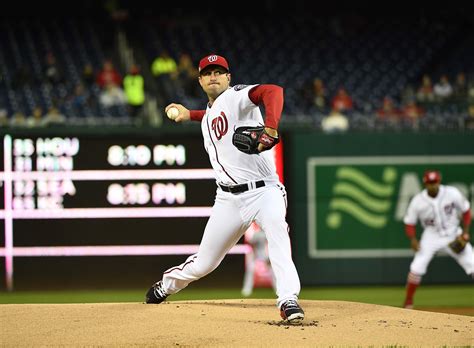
<point x="165" y="69"/>
<point x="82" y="100"/>
<point x="319" y="94"/>
<point x="342" y="101"/>
<point x="460" y="87"/>
<point x="108" y="75"/>
<point x="88" y="75"/>
<point x="134" y="87"/>
<point x="412" y="111"/>
<point x="408" y="93"/>
<point x="469" y="120"/>
<point x="305" y="90"/>
<point x="470" y="90"/>
<point x="112" y="95"/>
<point x="335" y="122"/>
<point x="80" y="97"/>
<point x="425" y="93"/>
<point x="54" y="117"/>
<point x="188" y="76"/>
<point x="53" y="72"/>
<point x="18" y="119"/>
<point x="388" y="110"/>
<point x="3" y="117"/>
<point x="164" y="64"/>
<point x="36" y="118"/>
<point x="443" y="89"/>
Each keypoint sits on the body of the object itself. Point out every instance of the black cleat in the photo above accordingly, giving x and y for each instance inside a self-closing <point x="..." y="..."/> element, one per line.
<point x="156" y="294"/>
<point x="291" y="311"/>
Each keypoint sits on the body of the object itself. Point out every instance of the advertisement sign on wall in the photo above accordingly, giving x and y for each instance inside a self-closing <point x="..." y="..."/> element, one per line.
<point x="356" y="204"/>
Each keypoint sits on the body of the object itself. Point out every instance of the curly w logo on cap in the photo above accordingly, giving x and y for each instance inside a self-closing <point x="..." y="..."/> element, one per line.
<point x="431" y="176"/>
<point x="213" y="59"/>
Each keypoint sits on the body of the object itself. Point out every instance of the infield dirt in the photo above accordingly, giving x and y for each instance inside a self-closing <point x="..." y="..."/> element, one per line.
<point x="228" y="323"/>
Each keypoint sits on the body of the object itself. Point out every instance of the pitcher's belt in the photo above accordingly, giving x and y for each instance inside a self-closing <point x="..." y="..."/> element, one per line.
<point x="242" y="187"/>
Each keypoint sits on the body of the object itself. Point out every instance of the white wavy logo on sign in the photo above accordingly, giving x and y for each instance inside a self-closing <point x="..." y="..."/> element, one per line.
<point x="366" y="200"/>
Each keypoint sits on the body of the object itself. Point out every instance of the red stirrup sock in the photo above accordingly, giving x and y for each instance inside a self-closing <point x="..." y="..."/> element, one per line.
<point x="412" y="283"/>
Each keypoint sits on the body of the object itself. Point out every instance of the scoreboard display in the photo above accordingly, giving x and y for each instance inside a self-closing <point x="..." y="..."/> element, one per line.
<point x="114" y="195"/>
<point x="63" y="173"/>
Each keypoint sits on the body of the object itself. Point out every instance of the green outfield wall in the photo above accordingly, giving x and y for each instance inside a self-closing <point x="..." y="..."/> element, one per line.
<point x="348" y="196"/>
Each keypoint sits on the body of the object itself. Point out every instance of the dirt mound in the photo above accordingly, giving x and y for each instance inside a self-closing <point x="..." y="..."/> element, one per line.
<point x="228" y="323"/>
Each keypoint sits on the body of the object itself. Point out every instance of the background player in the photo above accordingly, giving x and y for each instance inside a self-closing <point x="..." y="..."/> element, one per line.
<point x="258" y="270"/>
<point x="438" y="208"/>
<point x="248" y="187"/>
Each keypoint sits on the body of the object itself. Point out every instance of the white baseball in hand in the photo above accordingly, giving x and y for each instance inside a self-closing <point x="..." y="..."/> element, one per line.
<point x="172" y="113"/>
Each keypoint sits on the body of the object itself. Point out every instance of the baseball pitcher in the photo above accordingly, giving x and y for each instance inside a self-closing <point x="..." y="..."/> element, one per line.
<point x="237" y="138"/>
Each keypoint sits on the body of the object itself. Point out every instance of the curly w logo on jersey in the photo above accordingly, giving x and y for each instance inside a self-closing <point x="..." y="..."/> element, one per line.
<point x="220" y="125"/>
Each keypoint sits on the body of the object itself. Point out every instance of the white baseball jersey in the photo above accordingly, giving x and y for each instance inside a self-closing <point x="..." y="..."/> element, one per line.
<point x="440" y="214"/>
<point x="440" y="217"/>
<point x="234" y="109"/>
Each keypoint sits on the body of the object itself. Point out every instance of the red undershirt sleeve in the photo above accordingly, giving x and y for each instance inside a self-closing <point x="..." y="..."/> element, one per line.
<point x="410" y="231"/>
<point x="197" y="115"/>
<point x="466" y="218"/>
<point x="271" y="96"/>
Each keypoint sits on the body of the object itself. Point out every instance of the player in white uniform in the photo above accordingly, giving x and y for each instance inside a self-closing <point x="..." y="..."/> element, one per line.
<point x="438" y="208"/>
<point x="256" y="258"/>
<point x="248" y="187"/>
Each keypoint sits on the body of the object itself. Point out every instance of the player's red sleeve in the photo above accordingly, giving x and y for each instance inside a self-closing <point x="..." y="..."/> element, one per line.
<point x="197" y="115"/>
<point x="410" y="231"/>
<point x="466" y="218"/>
<point x="271" y="96"/>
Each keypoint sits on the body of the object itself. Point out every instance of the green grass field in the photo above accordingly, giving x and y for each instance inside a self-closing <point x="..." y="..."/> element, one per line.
<point x="429" y="295"/>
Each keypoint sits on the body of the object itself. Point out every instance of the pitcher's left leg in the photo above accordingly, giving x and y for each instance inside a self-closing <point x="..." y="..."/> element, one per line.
<point x="271" y="217"/>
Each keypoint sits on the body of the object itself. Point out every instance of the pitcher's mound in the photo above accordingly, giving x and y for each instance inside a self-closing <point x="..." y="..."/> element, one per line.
<point x="228" y="323"/>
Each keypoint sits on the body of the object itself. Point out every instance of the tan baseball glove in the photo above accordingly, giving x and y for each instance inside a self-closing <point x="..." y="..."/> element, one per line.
<point x="458" y="244"/>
